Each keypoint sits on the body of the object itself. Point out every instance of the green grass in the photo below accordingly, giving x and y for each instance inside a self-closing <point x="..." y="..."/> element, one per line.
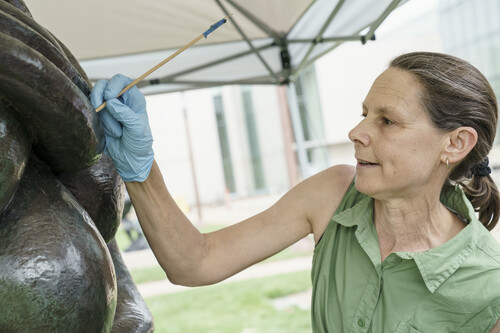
<point x="233" y="307"/>
<point x="122" y="239"/>
<point x="148" y="275"/>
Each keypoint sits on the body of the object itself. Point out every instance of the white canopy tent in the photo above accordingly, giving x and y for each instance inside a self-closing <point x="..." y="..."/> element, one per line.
<point x="264" y="42"/>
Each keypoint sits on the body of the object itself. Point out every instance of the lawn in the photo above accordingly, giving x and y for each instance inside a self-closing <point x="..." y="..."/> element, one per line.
<point x="234" y="307"/>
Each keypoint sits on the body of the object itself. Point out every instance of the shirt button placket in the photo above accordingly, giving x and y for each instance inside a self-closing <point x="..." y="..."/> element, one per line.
<point x="361" y="323"/>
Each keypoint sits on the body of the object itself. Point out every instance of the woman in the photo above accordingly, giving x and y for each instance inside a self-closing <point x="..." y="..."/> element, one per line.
<point x="404" y="250"/>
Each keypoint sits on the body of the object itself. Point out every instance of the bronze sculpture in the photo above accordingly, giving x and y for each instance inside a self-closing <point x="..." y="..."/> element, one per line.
<point x="61" y="201"/>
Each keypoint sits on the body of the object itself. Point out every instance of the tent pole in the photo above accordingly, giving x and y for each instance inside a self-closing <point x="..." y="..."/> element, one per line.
<point x="298" y="131"/>
<point x="286" y="124"/>
<point x="171" y="77"/>
<point x="191" y="159"/>
<point x="258" y="23"/>
<point x="257" y="53"/>
<point x="381" y="18"/>
<point x="319" y="35"/>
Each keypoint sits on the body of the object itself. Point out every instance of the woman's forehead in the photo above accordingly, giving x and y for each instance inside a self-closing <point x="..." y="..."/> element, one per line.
<point x="394" y="89"/>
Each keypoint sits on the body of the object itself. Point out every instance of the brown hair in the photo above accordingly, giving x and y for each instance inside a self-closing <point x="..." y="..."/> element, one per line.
<point x="456" y="94"/>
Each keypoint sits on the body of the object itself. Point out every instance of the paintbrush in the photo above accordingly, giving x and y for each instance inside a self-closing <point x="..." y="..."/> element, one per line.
<point x="164" y="61"/>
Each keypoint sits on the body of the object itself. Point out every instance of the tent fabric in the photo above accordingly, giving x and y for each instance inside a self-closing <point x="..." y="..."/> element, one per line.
<point x="264" y="42"/>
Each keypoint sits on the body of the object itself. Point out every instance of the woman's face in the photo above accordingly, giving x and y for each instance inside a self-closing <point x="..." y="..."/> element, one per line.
<point x="397" y="148"/>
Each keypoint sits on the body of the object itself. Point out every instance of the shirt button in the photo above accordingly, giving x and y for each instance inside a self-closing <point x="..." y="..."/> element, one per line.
<point x="361" y="322"/>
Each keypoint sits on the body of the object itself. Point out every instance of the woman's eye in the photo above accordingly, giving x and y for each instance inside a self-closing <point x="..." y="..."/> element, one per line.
<point x="387" y="121"/>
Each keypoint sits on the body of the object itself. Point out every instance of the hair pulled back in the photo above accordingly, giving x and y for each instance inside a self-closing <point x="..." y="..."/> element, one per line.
<point x="456" y="95"/>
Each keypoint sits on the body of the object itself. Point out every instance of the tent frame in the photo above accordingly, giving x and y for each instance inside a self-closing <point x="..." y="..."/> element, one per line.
<point x="287" y="74"/>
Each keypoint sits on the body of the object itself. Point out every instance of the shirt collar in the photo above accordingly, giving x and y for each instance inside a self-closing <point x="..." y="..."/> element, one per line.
<point x="435" y="265"/>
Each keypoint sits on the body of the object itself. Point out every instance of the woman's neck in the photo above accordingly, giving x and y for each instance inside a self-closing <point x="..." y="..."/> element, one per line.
<point x="413" y="226"/>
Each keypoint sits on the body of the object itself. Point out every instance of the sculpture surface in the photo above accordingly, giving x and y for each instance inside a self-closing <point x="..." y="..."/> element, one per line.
<point x="61" y="201"/>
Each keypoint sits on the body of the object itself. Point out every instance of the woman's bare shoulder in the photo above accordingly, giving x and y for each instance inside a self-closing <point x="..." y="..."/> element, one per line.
<point x="310" y="204"/>
<point x="329" y="186"/>
<point x="341" y="174"/>
<point x="334" y="181"/>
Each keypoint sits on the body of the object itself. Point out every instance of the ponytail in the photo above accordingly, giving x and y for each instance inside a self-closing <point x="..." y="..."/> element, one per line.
<point x="483" y="194"/>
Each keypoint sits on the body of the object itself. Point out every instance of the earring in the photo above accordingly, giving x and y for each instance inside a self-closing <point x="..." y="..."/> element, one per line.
<point x="447" y="162"/>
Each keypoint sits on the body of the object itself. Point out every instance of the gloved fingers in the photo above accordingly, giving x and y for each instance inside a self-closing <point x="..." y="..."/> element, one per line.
<point x="133" y="163"/>
<point x="121" y="112"/>
<point x="136" y="133"/>
<point x="112" y="127"/>
<point x="115" y="85"/>
<point x="130" y="168"/>
<point x="138" y="130"/>
<point x="134" y="99"/>
<point x="97" y="93"/>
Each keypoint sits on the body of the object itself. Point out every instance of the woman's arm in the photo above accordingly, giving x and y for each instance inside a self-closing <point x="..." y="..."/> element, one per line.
<point x="188" y="256"/>
<point x="192" y="258"/>
<point x="496" y="328"/>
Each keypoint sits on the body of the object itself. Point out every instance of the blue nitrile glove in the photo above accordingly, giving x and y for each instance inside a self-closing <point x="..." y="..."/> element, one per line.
<point x="129" y="142"/>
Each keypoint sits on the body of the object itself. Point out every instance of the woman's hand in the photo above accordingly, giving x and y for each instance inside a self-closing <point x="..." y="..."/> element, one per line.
<point x="126" y="128"/>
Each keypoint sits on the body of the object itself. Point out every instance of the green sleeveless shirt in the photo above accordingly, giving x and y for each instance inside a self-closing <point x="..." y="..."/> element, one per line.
<point x="454" y="287"/>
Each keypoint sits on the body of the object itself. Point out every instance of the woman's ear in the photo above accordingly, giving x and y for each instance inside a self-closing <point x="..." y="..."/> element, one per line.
<point x="460" y="143"/>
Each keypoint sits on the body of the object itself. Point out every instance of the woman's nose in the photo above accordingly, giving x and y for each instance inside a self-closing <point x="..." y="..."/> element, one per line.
<point x="359" y="133"/>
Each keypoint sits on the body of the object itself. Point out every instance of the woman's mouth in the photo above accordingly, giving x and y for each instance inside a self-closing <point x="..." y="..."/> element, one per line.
<point x="366" y="163"/>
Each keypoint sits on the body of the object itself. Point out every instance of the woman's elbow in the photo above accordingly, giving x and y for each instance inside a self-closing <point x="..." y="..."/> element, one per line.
<point x="189" y="278"/>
